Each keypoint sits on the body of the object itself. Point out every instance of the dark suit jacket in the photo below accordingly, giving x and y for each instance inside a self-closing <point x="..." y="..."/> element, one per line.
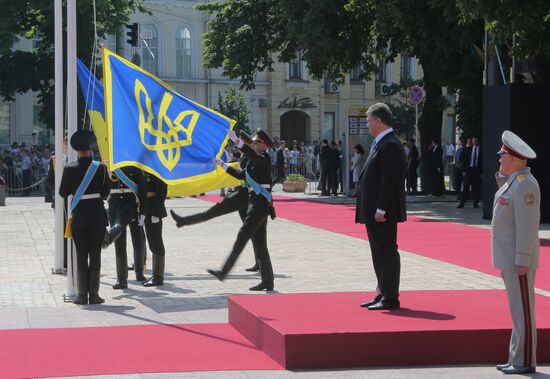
<point x="155" y="203"/>
<point x="258" y="167"/>
<point x="324" y="156"/>
<point x="91" y="211"/>
<point x="467" y="158"/>
<point x="382" y="182"/>
<point x="436" y="156"/>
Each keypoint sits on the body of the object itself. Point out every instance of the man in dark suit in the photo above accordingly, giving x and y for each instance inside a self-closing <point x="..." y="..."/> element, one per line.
<point x="471" y="171"/>
<point x="412" y="166"/>
<point x="280" y="161"/>
<point x="381" y="204"/>
<point x="436" y="162"/>
<point x="258" y="178"/>
<point x="156" y="211"/>
<point x="325" y="161"/>
<point x="88" y="216"/>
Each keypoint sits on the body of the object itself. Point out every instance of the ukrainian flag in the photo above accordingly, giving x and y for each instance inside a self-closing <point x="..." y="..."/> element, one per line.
<point x="153" y="127"/>
<point x="94" y="96"/>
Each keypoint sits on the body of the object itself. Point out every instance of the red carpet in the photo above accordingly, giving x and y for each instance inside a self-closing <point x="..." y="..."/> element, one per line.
<point x="26" y="353"/>
<point x="459" y="244"/>
<point x="329" y="330"/>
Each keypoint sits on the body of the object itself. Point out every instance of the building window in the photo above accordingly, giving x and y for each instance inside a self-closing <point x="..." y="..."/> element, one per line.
<point x="295" y="67"/>
<point x="328" y="126"/>
<point x="183" y="52"/>
<point x="4" y="123"/>
<point x="39" y="127"/>
<point x="381" y="75"/>
<point x="405" y="67"/>
<point x="149" y="44"/>
<point x="355" y="73"/>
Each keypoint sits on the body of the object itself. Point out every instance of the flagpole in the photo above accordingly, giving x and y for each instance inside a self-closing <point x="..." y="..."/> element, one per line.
<point x="71" y="123"/>
<point x="59" y="161"/>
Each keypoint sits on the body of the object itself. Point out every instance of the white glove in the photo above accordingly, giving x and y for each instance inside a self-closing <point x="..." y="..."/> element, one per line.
<point x="232" y="135"/>
<point x="141" y="220"/>
<point x="154" y="219"/>
<point x="222" y="164"/>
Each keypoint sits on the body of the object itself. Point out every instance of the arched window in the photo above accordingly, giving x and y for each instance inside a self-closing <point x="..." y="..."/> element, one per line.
<point x="183" y="52"/>
<point x="149" y="44"/>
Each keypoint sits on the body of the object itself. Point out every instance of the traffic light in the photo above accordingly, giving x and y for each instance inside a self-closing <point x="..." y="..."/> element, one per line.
<point x="132" y="34"/>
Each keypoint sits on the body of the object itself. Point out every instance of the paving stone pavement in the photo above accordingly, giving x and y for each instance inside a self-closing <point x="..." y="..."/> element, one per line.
<point x="305" y="259"/>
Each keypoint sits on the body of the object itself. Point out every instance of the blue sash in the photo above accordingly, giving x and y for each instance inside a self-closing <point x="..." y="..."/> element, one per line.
<point x="258" y="188"/>
<point x="126" y="180"/>
<point x="84" y="185"/>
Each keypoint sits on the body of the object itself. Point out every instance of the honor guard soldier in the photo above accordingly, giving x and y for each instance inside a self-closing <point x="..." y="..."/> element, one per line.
<point x="156" y="194"/>
<point x="127" y="206"/>
<point x="88" y="181"/>
<point x="257" y="174"/>
<point x="236" y="201"/>
<point x="515" y="247"/>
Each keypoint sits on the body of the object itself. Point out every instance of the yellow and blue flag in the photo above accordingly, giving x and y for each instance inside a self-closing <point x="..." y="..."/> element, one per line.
<point x="153" y="127"/>
<point x="93" y="93"/>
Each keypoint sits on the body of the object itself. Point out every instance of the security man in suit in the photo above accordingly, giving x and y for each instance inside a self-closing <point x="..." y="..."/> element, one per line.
<point x="381" y="204"/>
<point x="156" y="196"/>
<point x="88" y="217"/>
<point x="126" y="204"/>
<point x="515" y="247"/>
<point x="236" y="201"/>
<point x="258" y="178"/>
<point x="471" y="170"/>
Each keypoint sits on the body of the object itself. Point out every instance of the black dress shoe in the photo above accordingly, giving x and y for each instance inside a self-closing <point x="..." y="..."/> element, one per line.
<point x="515" y="370"/>
<point x="131" y="267"/>
<point x="372" y="302"/>
<point x="179" y="220"/>
<point x="254" y="268"/>
<point x="120" y="286"/>
<point x="503" y="365"/>
<point x="95" y="299"/>
<point x="81" y="300"/>
<point x="384" y="305"/>
<point x="140" y="277"/>
<point x="218" y="274"/>
<point x="153" y="282"/>
<point x="262" y="287"/>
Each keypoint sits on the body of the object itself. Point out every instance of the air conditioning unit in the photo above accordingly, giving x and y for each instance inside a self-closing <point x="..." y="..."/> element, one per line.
<point x="332" y="87"/>
<point x="382" y="89"/>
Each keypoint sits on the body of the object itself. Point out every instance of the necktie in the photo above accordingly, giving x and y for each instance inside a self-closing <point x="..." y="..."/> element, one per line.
<point x="474" y="163"/>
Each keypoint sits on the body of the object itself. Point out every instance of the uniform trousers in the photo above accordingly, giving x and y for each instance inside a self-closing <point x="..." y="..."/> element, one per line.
<point x="521" y="299"/>
<point x="123" y="214"/>
<point x="140" y="247"/>
<point x="88" y="239"/>
<point x="154" y="237"/>
<point x="254" y="227"/>
<point x="385" y="258"/>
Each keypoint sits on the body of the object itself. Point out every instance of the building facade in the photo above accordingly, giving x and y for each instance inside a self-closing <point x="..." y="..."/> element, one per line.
<point x="287" y="102"/>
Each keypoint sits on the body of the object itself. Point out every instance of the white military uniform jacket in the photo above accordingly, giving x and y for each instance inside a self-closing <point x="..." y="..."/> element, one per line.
<point x="515" y="224"/>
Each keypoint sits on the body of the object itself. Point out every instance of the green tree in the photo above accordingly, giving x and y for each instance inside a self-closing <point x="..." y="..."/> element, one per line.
<point x="232" y="105"/>
<point x="34" y="19"/>
<point x="335" y="36"/>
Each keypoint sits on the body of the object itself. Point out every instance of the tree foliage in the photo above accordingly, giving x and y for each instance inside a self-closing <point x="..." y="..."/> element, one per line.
<point x="336" y="36"/>
<point x="34" y="19"/>
<point x="233" y="105"/>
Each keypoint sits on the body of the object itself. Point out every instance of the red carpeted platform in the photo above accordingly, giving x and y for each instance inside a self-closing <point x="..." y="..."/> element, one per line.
<point x="30" y="353"/>
<point x="330" y="330"/>
<point x="459" y="244"/>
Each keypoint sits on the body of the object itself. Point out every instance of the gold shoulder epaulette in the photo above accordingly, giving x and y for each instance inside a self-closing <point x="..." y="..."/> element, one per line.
<point x="520" y="178"/>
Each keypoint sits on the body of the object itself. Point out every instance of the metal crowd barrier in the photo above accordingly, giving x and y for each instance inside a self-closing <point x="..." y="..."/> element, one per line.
<point x="19" y="183"/>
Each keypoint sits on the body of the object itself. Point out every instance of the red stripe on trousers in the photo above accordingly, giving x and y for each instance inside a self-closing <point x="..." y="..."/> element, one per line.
<point x="526" y="319"/>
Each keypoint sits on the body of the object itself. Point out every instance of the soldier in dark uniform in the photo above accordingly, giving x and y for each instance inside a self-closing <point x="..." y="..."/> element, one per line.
<point x="125" y="205"/>
<point x="156" y="194"/>
<point x="236" y="201"/>
<point x="88" y="217"/>
<point x="258" y="177"/>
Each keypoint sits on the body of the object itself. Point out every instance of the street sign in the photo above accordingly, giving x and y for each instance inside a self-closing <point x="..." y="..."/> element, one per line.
<point x="416" y="95"/>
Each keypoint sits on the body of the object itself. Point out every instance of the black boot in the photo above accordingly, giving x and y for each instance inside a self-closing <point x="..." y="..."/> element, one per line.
<point x="158" y="272"/>
<point x="82" y="287"/>
<point x="121" y="272"/>
<point x="188" y="220"/>
<point x="94" y="288"/>
<point x="111" y="234"/>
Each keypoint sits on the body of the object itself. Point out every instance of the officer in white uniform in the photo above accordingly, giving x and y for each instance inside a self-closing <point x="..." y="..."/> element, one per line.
<point x="515" y="247"/>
